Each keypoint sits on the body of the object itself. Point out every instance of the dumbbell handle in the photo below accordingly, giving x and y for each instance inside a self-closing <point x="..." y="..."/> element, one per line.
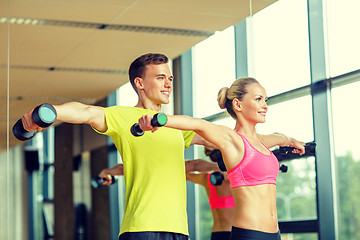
<point x="97" y="182"/>
<point x="20" y="133"/>
<point x="310" y="148"/>
<point x="158" y="120"/>
<point x="221" y="165"/>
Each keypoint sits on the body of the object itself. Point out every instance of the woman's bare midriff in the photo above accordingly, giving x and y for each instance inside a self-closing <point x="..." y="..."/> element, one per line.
<point x="223" y="219"/>
<point x="256" y="208"/>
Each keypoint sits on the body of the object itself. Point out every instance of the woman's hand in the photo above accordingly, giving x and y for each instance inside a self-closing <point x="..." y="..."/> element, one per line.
<point x="299" y="147"/>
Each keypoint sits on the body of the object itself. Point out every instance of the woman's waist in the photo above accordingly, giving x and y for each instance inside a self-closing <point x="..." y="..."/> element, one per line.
<point x="257" y="217"/>
<point x="256" y="208"/>
<point x="223" y="219"/>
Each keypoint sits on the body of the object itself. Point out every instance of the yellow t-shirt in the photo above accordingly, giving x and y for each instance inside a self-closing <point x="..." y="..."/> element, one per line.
<point x="154" y="172"/>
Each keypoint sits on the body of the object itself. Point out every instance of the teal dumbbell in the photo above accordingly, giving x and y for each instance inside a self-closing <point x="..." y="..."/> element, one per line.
<point x="43" y="115"/>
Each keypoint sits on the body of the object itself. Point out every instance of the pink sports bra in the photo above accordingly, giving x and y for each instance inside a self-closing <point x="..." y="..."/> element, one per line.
<point x="256" y="168"/>
<point x="216" y="201"/>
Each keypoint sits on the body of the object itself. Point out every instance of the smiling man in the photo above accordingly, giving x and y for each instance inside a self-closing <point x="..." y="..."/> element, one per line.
<point x="154" y="169"/>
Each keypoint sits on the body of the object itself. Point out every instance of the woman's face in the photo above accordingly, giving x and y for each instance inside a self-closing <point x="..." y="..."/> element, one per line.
<point x="253" y="104"/>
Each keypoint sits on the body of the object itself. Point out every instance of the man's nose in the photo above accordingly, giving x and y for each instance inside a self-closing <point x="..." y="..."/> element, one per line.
<point x="168" y="82"/>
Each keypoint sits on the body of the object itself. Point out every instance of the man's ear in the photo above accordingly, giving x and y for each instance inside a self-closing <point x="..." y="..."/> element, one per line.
<point x="139" y="83"/>
<point x="237" y="104"/>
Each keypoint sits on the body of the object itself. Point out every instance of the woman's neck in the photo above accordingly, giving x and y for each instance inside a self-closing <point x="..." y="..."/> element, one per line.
<point x="245" y="128"/>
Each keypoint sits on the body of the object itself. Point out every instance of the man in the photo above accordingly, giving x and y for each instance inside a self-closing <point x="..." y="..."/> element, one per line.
<point x="155" y="203"/>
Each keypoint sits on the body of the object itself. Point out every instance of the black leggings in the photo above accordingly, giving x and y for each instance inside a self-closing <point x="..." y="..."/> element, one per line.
<point x="152" y="236"/>
<point x="247" y="234"/>
<point x="220" y="235"/>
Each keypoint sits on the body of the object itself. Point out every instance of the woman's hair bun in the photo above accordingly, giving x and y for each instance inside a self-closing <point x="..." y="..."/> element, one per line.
<point x="222" y="97"/>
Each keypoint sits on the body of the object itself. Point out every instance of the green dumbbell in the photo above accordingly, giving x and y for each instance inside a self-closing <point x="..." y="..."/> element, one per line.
<point x="158" y="120"/>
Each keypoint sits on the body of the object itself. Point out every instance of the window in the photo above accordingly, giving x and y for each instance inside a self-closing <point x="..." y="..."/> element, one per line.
<point x="292" y="118"/>
<point x="280" y="46"/>
<point x="296" y="191"/>
<point x="127" y="95"/>
<point x="347" y="151"/>
<point x="302" y="236"/>
<point x="343" y="36"/>
<point x="202" y="204"/>
<point x="213" y="68"/>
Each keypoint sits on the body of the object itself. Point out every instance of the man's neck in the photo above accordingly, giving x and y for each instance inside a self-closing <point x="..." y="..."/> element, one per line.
<point x="150" y="106"/>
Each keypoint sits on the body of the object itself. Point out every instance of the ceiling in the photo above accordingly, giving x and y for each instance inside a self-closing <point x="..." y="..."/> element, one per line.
<point x="64" y="50"/>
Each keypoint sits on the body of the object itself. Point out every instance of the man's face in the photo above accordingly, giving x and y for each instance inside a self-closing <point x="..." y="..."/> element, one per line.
<point x="157" y="83"/>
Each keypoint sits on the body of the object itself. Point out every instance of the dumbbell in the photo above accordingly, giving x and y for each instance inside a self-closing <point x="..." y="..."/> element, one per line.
<point x="221" y="165"/>
<point x="216" y="178"/>
<point x="43" y="115"/>
<point x="158" y="120"/>
<point x="283" y="168"/>
<point x="97" y="182"/>
<point x="310" y="148"/>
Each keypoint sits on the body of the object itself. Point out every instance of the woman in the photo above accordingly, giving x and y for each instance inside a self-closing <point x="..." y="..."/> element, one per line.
<point x="221" y="201"/>
<point x="252" y="168"/>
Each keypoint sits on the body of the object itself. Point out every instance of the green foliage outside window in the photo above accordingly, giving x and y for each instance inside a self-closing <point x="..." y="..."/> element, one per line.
<point x="348" y="179"/>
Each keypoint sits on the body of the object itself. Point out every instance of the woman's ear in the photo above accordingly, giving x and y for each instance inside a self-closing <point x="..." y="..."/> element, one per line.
<point x="139" y="83"/>
<point x="237" y="104"/>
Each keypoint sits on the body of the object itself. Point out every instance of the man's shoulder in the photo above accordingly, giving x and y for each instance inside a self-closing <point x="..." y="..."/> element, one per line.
<point x="128" y="108"/>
